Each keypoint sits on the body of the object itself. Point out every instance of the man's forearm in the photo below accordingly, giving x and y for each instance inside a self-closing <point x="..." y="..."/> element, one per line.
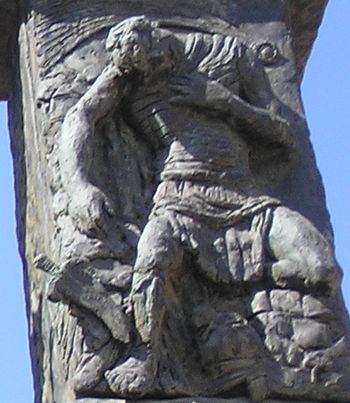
<point x="104" y="96"/>
<point x="261" y="122"/>
<point x="78" y="128"/>
<point x="75" y="148"/>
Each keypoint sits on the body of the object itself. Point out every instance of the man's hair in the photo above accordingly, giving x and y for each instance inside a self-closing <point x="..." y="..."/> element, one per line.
<point x="139" y="41"/>
<point x="138" y="25"/>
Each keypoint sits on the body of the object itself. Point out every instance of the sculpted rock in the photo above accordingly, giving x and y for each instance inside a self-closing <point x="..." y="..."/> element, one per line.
<point x="182" y="259"/>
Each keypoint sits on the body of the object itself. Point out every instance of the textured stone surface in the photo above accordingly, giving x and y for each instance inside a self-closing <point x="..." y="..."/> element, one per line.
<point x="170" y="216"/>
<point x="187" y="400"/>
<point x="305" y="18"/>
<point x="310" y="334"/>
<point x="304" y="25"/>
<point x="286" y="301"/>
<point x="261" y="302"/>
<point x="315" y="308"/>
<point x="9" y="22"/>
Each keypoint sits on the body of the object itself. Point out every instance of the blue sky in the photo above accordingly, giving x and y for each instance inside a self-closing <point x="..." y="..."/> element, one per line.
<point x="326" y="91"/>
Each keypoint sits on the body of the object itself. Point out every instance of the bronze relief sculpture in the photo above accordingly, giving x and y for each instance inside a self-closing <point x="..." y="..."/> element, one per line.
<point x="187" y="252"/>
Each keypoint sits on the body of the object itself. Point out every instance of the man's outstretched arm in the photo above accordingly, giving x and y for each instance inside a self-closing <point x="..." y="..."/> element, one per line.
<point x="257" y="111"/>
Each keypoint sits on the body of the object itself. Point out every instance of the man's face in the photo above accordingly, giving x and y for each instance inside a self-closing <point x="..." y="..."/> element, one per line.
<point x="131" y="51"/>
<point x="142" y="51"/>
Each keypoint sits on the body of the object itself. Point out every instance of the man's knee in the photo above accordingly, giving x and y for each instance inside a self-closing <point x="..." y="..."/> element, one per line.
<point x="295" y="239"/>
<point x="157" y="248"/>
<point x="293" y="235"/>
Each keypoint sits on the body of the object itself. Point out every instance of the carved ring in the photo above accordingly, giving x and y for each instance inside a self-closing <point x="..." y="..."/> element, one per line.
<point x="267" y="53"/>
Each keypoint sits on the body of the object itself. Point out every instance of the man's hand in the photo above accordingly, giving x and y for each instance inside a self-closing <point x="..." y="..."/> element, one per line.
<point x="197" y="90"/>
<point x="254" y="80"/>
<point x="107" y="79"/>
<point x="105" y="93"/>
<point x="190" y="89"/>
<point x="91" y="211"/>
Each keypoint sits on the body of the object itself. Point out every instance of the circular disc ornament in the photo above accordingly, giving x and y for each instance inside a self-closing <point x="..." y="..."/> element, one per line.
<point x="267" y="53"/>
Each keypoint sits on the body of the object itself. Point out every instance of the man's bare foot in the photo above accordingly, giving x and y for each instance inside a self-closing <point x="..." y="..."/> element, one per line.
<point x="92" y="366"/>
<point x="89" y="373"/>
<point x="134" y="377"/>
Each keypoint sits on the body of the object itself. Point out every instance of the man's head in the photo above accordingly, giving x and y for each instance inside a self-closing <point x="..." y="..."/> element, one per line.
<point x="138" y="44"/>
